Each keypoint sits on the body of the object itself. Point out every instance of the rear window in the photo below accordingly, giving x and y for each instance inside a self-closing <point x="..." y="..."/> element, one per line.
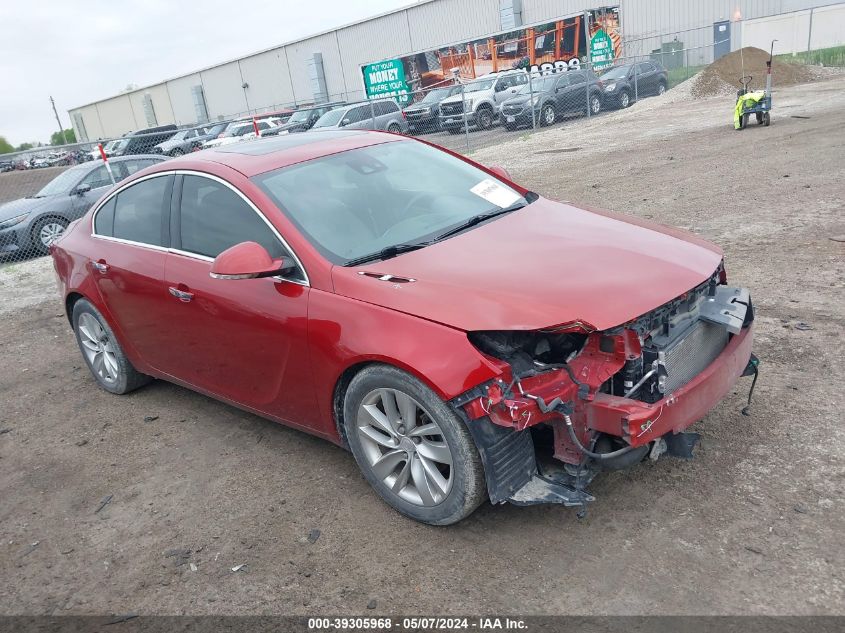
<point x="138" y="211"/>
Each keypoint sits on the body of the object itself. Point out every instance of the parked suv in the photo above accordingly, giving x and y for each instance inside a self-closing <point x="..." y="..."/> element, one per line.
<point x="185" y="141"/>
<point x="303" y="119"/>
<point x="552" y="96"/>
<point x="143" y="141"/>
<point x="483" y="98"/>
<point x="423" y="116"/>
<point x="376" y="114"/>
<point x="624" y="84"/>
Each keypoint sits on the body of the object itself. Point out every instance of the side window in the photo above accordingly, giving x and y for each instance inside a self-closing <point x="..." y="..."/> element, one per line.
<point x="136" y="165"/>
<point x="519" y="80"/>
<point x="139" y="209"/>
<point x="356" y="115"/>
<point x="384" y="107"/>
<point x="576" y="78"/>
<point x="563" y="81"/>
<point x="214" y="218"/>
<point x="104" y="221"/>
<point x="99" y="178"/>
<point x="263" y="125"/>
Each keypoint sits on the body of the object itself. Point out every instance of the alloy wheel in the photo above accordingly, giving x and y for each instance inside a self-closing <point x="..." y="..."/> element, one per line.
<point x="595" y="105"/>
<point x="50" y="232"/>
<point x="98" y="348"/>
<point x="624" y="100"/>
<point x="404" y="447"/>
<point x="548" y="115"/>
<point x="661" y="88"/>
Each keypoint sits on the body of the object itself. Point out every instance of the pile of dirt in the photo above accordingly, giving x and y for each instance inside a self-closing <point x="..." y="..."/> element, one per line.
<point x="722" y="76"/>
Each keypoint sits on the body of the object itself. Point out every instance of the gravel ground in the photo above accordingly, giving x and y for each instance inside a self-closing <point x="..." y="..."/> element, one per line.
<point x="145" y="503"/>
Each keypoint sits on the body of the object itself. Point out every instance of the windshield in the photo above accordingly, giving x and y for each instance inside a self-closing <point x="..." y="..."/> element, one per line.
<point x="179" y="136"/>
<point x="538" y="84"/>
<point x="476" y="86"/>
<point x="436" y="95"/>
<point x="240" y="130"/>
<point x="300" y="116"/>
<point x="65" y="181"/>
<point x="620" y="72"/>
<point x="360" y="201"/>
<point x="330" y="118"/>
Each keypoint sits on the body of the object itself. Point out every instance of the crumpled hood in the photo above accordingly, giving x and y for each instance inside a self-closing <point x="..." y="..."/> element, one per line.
<point x="547" y="264"/>
<point x="24" y="205"/>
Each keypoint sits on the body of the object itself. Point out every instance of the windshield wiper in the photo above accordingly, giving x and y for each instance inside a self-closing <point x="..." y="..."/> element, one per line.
<point x="387" y="252"/>
<point x="478" y="219"/>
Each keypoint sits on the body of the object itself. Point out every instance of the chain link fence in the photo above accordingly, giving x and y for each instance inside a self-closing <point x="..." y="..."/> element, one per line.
<point x="472" y="96"/>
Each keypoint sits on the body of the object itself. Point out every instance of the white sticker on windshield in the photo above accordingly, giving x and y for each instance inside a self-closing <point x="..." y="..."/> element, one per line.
<point x="495" y="193"/>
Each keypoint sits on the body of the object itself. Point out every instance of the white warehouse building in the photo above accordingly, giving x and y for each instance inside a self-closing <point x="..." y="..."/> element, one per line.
<point x="433" y="40"/>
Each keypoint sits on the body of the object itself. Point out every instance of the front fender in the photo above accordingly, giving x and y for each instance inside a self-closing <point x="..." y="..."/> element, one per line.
<point x="345" y="332"/>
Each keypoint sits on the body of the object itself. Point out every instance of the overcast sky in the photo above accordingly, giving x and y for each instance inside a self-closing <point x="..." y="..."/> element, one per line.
<point x="81" y="51"/>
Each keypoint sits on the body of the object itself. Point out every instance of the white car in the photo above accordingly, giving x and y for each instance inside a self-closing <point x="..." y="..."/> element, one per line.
<point x="241" y="131"/>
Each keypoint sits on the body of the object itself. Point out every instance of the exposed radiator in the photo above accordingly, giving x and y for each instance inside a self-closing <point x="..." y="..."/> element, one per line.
<point x="691" y="352"/>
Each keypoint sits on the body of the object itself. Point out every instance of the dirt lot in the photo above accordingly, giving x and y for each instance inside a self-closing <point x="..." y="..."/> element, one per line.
<point x="753" y="525"/>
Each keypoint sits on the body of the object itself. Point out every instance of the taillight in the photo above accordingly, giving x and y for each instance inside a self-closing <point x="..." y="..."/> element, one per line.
<point x="723" y="275"/>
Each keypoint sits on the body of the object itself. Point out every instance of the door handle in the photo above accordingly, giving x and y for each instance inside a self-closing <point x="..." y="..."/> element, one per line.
<point x="100" y="266"/>
<point x="182" y="295"/>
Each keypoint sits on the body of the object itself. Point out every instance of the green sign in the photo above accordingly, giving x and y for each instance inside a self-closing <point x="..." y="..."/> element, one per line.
<point x="386" y="79"/>
<point x="601" y="50"/>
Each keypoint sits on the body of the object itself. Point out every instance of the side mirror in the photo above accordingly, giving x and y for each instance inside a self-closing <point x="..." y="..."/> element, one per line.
<point x="82" y="189"/>
<point x="500" y="171"/>
<point x="248" y="260"/>
<point x="345" y="122"/>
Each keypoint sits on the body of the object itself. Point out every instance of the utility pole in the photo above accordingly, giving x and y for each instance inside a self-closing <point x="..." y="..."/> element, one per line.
<point x="59" y="121"/>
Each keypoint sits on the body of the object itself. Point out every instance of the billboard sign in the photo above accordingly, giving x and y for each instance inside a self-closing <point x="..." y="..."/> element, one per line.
<point x="605" y="42"/>
<point x="386" y="79"/>
<point x="555" y="46"/>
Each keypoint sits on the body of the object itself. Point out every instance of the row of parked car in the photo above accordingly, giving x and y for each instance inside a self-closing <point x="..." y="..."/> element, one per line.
<point x="514" y="99"/>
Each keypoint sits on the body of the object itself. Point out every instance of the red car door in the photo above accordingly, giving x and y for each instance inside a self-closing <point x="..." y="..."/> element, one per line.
<point x="128" y="263"/>
<point x="244" y="340"/>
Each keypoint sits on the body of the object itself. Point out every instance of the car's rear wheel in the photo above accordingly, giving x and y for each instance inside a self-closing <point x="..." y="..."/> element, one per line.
<point x="595" y="104"/>
<point x="47" y="231"/>
<point x="411" y="447"/>
<point x="661" y="89"/>
<point x="394" y="127"/>
<point x="177" y="152"/>
<point x="102" y="353"/>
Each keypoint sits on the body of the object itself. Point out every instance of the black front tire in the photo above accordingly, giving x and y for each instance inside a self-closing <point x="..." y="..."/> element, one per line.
<point x="128" y="378"/>
<point x="484" y="118"/>
<point x="468" y="489"/>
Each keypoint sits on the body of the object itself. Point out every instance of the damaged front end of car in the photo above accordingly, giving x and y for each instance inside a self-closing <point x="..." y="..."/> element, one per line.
<point x="572" y="401"/>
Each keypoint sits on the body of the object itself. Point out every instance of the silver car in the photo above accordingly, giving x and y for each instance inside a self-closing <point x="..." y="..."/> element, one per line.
<point x="376" y="114"/>
<point x="31" y="224"/>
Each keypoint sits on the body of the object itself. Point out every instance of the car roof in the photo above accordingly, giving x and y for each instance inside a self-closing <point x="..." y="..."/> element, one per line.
<point x="274" y="152"/>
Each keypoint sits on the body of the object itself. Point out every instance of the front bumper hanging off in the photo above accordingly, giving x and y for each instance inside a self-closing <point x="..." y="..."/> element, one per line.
<point x="514" y="405"/>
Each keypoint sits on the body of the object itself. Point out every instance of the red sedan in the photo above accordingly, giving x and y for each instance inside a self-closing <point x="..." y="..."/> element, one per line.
<point x="464" y="337"/>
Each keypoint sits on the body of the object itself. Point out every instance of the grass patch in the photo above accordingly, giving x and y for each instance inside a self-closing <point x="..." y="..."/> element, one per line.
<point x="680" y="75"/>
<point x="834" y="56"/>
